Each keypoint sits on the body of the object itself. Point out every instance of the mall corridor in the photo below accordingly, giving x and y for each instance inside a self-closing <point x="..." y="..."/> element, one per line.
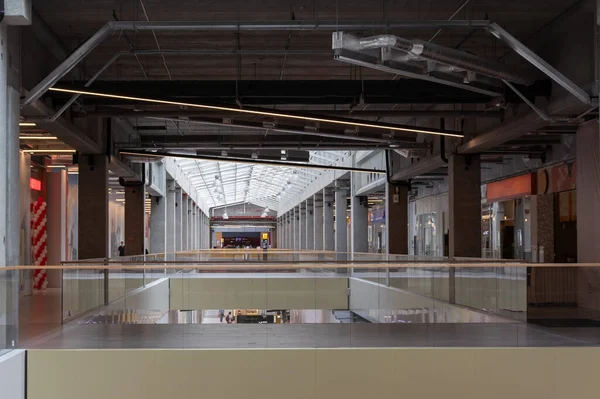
<point x="310" y="200"/>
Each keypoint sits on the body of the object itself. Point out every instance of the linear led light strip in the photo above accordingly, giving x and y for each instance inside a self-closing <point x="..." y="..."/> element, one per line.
<point x="254" y="112"/>
<point x="49" y="151"/>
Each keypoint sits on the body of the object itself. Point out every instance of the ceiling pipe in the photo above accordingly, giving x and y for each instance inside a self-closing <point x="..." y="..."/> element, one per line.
<point x="422" y="50"/>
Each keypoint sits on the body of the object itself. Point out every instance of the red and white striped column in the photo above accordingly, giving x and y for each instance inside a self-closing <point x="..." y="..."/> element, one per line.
<point x="38" y="242"/>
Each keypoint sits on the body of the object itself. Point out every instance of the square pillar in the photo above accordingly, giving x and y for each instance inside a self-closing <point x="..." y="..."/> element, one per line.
<point x="318" y="221"/>
<point x="207" y="231"/>
<point x="302" y="228"/>
<point x="93" y="207"/>
<point x="135" y="220"/>
<point x="328" y="226"/>
<point x="588" y="214"/>
<point x="295" y="227"/>
<point x="341" y="226"/>
<point x="464" y="206"/>
<point x="359" y="219"/>
<point x="185" y="222"/>
<point x="464" y="197"/>
<point x="170" y="216"/>
<point x="310" y="225"/>
<point x="178" y="219"/>
<point x="56" y="223"/>
<point x="158" y="225"/>
<point x="396" y="219"/>
<point x="202" y="235"/>
<point x="197" y="215"/>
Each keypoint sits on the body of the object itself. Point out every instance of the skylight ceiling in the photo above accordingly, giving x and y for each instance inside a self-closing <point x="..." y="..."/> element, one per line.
<point x="225" y="183"/>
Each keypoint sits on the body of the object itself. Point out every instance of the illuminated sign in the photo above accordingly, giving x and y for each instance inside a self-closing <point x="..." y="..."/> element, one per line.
<point x="35" y="184"/>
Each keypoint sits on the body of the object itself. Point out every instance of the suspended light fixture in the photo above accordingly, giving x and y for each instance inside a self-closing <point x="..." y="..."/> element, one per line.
<point x="275" y="114"/>
<point x="225" y="216"/>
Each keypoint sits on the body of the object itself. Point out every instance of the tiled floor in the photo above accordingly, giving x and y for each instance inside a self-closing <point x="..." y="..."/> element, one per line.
<point x="38" y="314"/>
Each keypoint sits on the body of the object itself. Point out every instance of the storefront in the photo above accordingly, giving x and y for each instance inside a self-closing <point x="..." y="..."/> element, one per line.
<point x="428" y="225"/>
<point x="506" y="218"/>
<point x="377" y="230"/>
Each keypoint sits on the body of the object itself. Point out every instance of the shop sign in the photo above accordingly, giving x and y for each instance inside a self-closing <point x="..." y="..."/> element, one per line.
<point x="35" y="184"/>
<point x="515" y="187"/>
<point x="378" y="215"/>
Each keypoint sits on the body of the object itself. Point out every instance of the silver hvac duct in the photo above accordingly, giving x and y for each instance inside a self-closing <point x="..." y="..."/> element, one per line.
<point x="143" y="159"/>
<point x="422" y="50"/>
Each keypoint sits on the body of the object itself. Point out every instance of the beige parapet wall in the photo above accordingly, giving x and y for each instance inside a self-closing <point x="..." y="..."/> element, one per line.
<point x="545" y="373"/>
<point x="259" y="293"/>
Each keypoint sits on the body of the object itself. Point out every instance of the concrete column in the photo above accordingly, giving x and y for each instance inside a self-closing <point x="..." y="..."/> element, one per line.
<point x="280" y="232"/>
<point x="328" y="225"/>
<point x="170" y="216"/>
<point x="197" y="230"/>
<point x="203" y="223"/>
<point x="296" y="237"/>
<point x="286" y="231"/>
<point x="200" y="244"/>
<point x="191" y="224"/>
<point x="290" y="231"/>
<point x="178" y="218"/>
<point x="310" y="224"/>
<point x="9" y="145"/>
<point x="588" y="213"/>
<point x="359" y="219"/>
<point x="341" y="227"/>
<point x="135" y="220"/>
<point x="93" y="206"/>
<point x="318" y="221"/>
<point x="56" y="223"/>
<point x="396" y="219"/>
<point x="158" y="225"/>
<point x="302" y="222"/>
<point x="190" y="239"/>
<point x="464" y="196"/>
<point x="464" y="207"/>
<point x="286" y="227"/>
<point x="186" y="222"/>
<point x="207" y="231"/>
<point x="203" y="236"/>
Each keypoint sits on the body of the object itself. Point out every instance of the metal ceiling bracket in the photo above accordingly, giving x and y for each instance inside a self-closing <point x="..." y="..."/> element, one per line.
<point x="501" y="34"/>
<point x="90" y="44"/>
<point x="531" y="105"/>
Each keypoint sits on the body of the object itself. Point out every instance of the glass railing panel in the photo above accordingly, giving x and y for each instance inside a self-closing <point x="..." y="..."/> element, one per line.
<point x="366" y="303"/>
<point x="9" y="316"/>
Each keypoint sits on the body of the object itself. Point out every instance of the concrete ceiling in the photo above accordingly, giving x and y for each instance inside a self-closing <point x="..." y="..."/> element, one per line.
<point x="282" y="58"/>
<point x="78" y="21"/>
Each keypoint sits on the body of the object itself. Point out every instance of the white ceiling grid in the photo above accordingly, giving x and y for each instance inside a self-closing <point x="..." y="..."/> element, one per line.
<point x="227" y="183"/>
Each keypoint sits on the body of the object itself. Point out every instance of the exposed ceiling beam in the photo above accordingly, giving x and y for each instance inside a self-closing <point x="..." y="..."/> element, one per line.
<point x="64" y="130"/>
<point x="108" y="112"/>
<point x="273" y="92"/>
<point x="566" y="106"/>
<point x="421" y="167"/>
